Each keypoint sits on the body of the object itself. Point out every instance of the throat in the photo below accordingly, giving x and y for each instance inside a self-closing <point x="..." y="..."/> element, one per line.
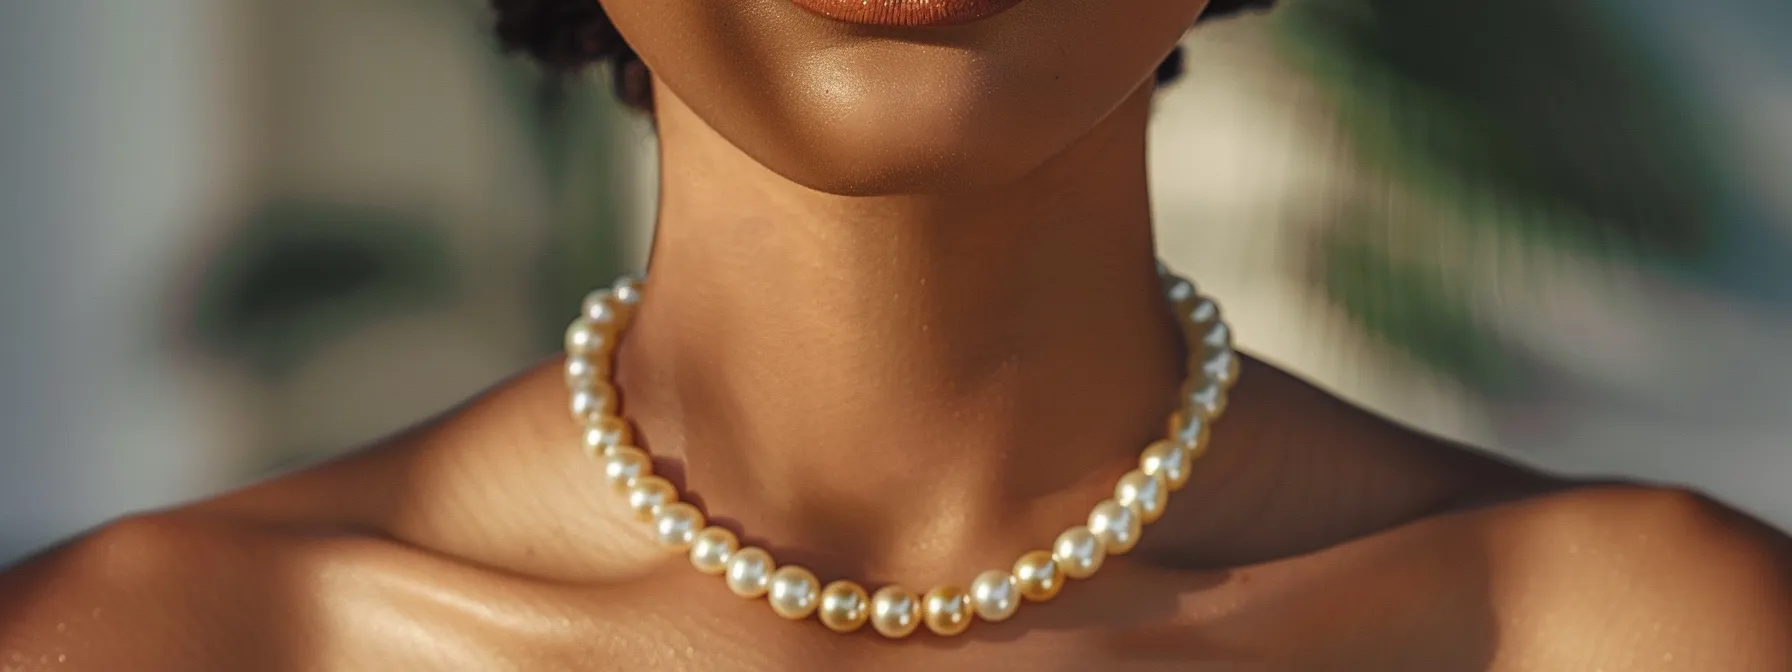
<point x="935" y="373"/>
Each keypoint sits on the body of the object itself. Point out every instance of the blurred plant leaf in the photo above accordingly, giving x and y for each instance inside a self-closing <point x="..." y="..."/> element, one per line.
<point x="298" y="274"/>
<point x="1535" y="101"/>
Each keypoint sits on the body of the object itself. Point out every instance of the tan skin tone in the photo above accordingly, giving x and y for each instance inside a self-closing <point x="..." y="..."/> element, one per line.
<point x="903" y="327"/>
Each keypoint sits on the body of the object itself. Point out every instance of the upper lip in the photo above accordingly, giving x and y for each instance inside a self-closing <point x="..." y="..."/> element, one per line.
<point x="910" y="13"/>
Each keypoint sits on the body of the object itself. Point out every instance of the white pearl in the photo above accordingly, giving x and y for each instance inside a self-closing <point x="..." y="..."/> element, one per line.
<point x="584" y="339"/>
<point x="676" y="525"/>
<point x="627" y="291"/>
<point x="712" y="548"/>
<point x="794" y="592"/>
<point x="1117" y="526"/>
<point x="1220" y="365"/>
<point x="600" y="311"/>
<point x="1191" y="432"/>
<point x="1144" y="493"/>
<point x="624" y="464"/>
<point x="1181" y="293"/>
<point x="1168" y="459"/>
<point x="1079" y="552"/>
<point x="1206" y="399"/>
<point x="1204" y="312"/>
<point x="648" y="493"/>
<point x="1217" y="336"/>
<point x="583" y="371"/>
<point x="994" y="596"/>
<point x="749" y="572"/>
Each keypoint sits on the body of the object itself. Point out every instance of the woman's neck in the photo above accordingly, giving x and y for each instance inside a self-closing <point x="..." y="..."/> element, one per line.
<point x="904" y="368"/>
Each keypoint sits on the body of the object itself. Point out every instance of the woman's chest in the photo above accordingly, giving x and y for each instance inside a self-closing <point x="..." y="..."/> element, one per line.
<point x="1424" y="614"/>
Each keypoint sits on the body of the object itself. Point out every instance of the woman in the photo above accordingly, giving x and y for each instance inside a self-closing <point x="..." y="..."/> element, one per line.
<point x="902" y="346"/>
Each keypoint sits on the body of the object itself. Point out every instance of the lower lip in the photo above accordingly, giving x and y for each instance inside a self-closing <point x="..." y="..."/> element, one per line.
<point x="907" y="13"/>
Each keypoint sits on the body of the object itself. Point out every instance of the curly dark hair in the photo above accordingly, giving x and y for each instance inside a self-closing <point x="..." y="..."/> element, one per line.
<point x="570" y="35"/>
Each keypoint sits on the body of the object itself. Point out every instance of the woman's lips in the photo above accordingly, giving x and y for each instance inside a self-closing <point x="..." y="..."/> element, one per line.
<point x="908" y="13"/>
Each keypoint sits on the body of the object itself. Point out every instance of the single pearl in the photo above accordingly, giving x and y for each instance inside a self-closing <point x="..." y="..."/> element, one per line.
<point x="1217" y="336"/>
<point x="1168" y="459"/>
<point x="1144" y="493"/>
<point x="749" y="572"/>
<point x="600" y="311"/>
<point x="593" y="401"/>
<point x="624" y="464"/>
<point x="1079" y="552"/>
<point x="994" y="596"/>
<point x="1206" y="399"/>
<point x="844" y="606"/>
<point x="794" y="592"/>
<point x="1117" y="527"/>
<point x="1221" y="366"/>
<point x="712" y="548"/>
<point x="676" y="525"/>
<point x="607" y="431"/>
<point x="584" y="339"/>
<point x="895" y="613"/>
<point x="947" y="610"/>
<point x="583" y="371"/>
<point x="626" y="291"/>
<point x="1037" y="576"/>
<point x="1191" y="432"/>
<point x="1181" y="293"/>
<point x="648" y="493"/>
<point x="1202" y="313"/>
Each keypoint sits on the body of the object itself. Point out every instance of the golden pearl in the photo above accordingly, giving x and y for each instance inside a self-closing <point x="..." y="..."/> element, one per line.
<point x="593" y="400"/>
<point x="994" y="596"/>
<point x="648" y="493"/>
<point x="895" y="613"/>
<point x="605" y="432"/>
<point x="794" y="592"/>
<point x="582" y="371"/>
<point x="844" y="606"/>
<point x="584" y="338"/>
<point x="1117" y="526"/>
<point x="624" y="464"/>
<point x="1079" y="552"/>
<point x="1144" y="493"/>
<point x="1168" y="459"/>
<point x="1038" y="577"/>
<point x="712" y="548"/>
<point x="749" y="572"/>
<point x="676" y="525"/>
<point x="947" y="610"/>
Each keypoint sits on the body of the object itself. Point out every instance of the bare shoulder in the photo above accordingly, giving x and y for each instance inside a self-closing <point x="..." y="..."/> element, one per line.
<point x="188" y="591"/>
<point x="437" y="549"/>
<point x="150" y="592"/>
<point x="1637" y="578"/>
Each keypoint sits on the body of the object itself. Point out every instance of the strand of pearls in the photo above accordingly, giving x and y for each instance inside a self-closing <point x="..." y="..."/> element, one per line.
<point x="1113" y="526"/>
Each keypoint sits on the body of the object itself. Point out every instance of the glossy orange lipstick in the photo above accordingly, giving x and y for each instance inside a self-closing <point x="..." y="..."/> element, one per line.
<point x="907" y="13"/>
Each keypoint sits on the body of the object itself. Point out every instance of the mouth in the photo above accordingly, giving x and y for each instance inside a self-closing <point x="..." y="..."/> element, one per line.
<point x="907" y="13"/>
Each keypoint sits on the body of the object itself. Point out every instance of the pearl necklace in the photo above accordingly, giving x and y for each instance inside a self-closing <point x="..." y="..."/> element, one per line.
<point x="1113" y="527"/>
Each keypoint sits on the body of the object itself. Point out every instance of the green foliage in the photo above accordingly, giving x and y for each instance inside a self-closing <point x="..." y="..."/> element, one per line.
<point x="1530" y="121"/>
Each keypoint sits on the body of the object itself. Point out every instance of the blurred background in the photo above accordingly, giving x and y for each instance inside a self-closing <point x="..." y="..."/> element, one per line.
<point x="240" y="235"/>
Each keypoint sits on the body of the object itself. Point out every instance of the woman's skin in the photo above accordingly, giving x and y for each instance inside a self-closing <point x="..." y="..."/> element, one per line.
<point x="904" y="326"/>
